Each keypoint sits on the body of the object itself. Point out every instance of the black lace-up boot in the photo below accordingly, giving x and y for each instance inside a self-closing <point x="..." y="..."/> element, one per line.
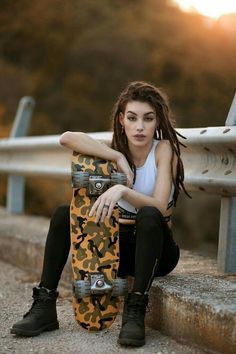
<point x="124" y="314"/>
<point x="133" y="327"/>
<point x="41" y="317"/>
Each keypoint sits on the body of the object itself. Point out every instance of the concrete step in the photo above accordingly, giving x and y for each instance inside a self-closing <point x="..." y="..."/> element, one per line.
<point x="194" y="304"/>
<point x="196" y="308"/>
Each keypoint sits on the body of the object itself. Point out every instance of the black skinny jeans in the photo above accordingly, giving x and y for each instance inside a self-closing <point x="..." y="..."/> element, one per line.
<point x="147" y="250"/>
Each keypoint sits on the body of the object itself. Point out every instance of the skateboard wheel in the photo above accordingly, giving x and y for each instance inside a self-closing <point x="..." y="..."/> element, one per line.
<point x="81" y="288"/>
<point x="80" y="179"/>
<point x="119" y="287"/>
<point x="118" y="178"/>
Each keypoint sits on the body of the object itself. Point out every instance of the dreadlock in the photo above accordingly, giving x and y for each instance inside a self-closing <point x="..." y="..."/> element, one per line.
<point x="144" y="92"/>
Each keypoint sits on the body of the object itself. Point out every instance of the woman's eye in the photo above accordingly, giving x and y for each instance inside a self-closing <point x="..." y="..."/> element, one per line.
<point x="131" y="117"/>
<point x="149" y="119"/>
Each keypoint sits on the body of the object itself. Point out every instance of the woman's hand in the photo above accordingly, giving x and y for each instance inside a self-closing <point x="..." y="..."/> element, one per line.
<point x="124" y="167"/>
<point x="104" y="205"/>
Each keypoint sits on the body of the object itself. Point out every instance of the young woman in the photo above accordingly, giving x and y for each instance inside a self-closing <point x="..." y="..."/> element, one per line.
<point x="146" y="148"/>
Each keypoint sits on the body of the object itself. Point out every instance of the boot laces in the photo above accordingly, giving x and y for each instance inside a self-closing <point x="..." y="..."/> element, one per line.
<point x="134" y="312"/>
<point x="35" y="308"/>
<point x="40" y="301"/>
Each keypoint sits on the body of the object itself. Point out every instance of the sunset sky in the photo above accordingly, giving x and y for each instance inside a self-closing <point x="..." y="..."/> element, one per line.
<point x="211" y="8"/>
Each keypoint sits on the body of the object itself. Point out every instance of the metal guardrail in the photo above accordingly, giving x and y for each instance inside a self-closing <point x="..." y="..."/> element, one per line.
<point x="209" y="159"/>
<point x="209" y="162"/>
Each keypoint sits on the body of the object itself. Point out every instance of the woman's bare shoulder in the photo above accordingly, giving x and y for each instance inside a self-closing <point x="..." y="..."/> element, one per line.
<point x="164" y="152"/>
<point x="164" y="148"/>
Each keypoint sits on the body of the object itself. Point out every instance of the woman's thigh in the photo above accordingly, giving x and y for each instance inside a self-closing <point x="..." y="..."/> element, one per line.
<point x="127" y="242"/>
<point x="170" y="254"/>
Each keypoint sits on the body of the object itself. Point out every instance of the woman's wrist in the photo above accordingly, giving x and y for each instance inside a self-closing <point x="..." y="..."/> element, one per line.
<point x="125" y="191"/>
<point x="118" y="156"/>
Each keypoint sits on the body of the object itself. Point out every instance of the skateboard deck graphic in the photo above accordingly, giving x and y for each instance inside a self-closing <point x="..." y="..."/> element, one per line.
<point x="94" y="247"/>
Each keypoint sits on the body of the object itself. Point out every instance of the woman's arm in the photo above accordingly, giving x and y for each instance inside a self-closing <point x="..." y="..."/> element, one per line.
<point x="84" y="144"/>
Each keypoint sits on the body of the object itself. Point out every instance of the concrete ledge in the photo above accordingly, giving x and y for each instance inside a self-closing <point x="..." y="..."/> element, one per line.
<point x="22" y="240"/>
<point x="197" y="309"/>
<point x="195" y="304"/>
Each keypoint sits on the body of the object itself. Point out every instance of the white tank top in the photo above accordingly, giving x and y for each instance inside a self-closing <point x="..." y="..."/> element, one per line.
<point x="144" y="183"/>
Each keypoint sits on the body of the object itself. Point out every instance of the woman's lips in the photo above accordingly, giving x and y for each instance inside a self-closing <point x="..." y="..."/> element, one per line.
<point x="139" y="136"/>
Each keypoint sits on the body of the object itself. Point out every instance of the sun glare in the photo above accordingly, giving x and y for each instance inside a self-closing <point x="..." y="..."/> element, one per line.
<point x="210" y="8"/>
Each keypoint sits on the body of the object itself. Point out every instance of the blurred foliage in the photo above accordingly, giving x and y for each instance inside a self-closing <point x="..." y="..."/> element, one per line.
<point x="74" y="57"/>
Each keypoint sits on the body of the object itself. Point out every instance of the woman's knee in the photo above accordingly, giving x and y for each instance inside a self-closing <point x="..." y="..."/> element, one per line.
<point x="149" y="212"/>
<point x="149" y="222"/>
<point x="169" y="264"/>
<point x="61" y="215"/>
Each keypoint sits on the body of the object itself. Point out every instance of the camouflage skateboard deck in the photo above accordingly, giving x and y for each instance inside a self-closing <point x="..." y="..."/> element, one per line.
<point x="94" y="247"/>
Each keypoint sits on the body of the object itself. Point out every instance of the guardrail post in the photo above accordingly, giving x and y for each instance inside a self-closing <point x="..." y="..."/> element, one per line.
<point x="16" y="184"/>
<point x="227" y="231"/>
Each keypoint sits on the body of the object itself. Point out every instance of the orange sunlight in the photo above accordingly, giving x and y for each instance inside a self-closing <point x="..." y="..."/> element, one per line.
<point x="210" y="8"/>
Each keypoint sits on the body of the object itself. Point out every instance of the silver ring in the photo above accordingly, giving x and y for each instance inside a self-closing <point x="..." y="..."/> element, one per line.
<point x="106" y="206"/>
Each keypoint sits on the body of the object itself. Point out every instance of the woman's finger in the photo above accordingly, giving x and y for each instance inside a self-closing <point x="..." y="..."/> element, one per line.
<point x="129" y="181"/>
<point x="99" y="212"/>
<point x="110" y="210"/>
<point x="104" y="211"/>
<point x="94" y="207"/>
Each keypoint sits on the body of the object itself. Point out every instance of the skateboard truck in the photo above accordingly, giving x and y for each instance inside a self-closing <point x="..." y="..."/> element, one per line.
<point x="96" y="184"/>
<point x="96" y="285"/>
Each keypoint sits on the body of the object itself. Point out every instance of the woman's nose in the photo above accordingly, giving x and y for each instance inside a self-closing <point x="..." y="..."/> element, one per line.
<point x="139" y="126"/>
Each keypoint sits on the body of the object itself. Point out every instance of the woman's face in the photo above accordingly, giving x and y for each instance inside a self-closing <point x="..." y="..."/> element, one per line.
<point x="139" y="122"/>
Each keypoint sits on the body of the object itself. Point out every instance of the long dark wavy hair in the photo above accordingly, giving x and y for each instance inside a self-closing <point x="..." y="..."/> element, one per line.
<point x="145" y="92"/>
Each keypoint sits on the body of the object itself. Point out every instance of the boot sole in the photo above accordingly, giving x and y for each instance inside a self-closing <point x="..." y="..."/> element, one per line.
<point x="131" y="342"/>
<point x="50" y="327"/>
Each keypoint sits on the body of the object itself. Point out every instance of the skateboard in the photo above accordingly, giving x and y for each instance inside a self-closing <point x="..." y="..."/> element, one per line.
<point x="94" y="247"/>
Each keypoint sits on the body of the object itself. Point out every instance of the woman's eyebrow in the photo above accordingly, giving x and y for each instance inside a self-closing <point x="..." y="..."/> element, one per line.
<point x="151" y="112"/>
<point x="145" y="114"/>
